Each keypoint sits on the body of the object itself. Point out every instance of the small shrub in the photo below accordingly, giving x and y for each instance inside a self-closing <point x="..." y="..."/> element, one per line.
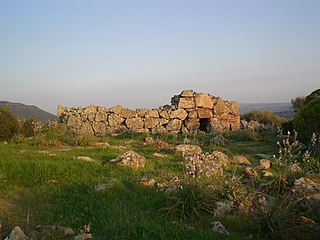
<point x="56" y="135"/>
<point x="189" y="202"/>
<point x="307" y="121"/>
<point x="245" y="135"/>
<point x="264" y="117"/>
<point x="28" y="128"/>
<point x="9" y="125"/>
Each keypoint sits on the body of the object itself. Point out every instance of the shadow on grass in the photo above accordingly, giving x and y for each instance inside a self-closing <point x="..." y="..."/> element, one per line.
<point x="123" y="211"/>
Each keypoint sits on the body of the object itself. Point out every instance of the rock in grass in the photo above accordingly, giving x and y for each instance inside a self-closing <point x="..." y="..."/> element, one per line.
<point x="160" y="155"/>
<point x="264" y="164"/>
<point x="219" y="228"/>
<point x="17" y="234"/>
<point x="101" y="187"/>
<point x="188" y="149"/>
<point x="130" y="159"/>
<point x="240" y="160"/>
<point x="87" y="159"/>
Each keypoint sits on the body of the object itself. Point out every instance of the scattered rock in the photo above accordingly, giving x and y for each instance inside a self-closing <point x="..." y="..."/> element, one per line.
<point x="250" y="172"/>
<point x="266" y="173"/>
<point x="101" y="187"/>
<point x="226" y="208"/>
<point x="240" y="160"/>
<point x="219" y="139"/>
<point x="160" y="155"/>
<point x="148" y="182"/>
<point x="202" y="165"/>
<point x="188" y="149"/>
<point x="307" y="193"/>
<point x="219" y="228"/>
<point x="149" y="140"/>
<point x="87" y="159"/>
<point x="220" y="158"/>
<point x="131" y="159"/>
<point x="17" y="234"/>
<point x="264" y="164"/>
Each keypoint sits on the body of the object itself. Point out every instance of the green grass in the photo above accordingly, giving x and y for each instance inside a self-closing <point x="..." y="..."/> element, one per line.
<point x="50" y="186"/>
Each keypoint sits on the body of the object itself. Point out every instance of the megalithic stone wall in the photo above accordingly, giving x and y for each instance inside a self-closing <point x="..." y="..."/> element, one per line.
<point x="188" y="112"/>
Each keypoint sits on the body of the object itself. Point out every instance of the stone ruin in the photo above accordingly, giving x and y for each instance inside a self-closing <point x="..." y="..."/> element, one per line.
<point x="188" y="112"/>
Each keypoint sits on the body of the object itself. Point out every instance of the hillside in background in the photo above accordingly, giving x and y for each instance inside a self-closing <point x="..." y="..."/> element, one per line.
<point x="28" y="111"/>
<point x="281" y="109"/>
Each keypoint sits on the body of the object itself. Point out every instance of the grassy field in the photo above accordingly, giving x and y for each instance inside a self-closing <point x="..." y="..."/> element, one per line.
<point x="51" y="186"/>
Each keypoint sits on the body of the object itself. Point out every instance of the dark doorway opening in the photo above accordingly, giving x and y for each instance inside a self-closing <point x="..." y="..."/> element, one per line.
<point x="205" y="125"/>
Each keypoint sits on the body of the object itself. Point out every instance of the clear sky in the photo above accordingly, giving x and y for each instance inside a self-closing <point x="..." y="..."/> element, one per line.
<point x="139" y="53"/>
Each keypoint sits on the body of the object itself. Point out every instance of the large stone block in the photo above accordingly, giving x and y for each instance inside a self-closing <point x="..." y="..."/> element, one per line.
<point x="142" y="112"/>
<point x="203" y="101"/>
<point x="134" y="123"/>
<point x="99" y="128"/>
<point x="151" y="122"/>
<point x="86" y="129"/>
<point x="153" y="113"/>
<point x="192" y="124"/>
<point x="220" y="107"/>
<point x="180" y="114"/>
<point x="164" y="114"/>
<point x="115" y="120"/>
<point x="74" y="122"/>
<point x="174" y="124"/>
<point x="127" y="113"/>
<point x="187" y="93"/>
<point x="186" y="103"/>
<point x="204" y="113"/>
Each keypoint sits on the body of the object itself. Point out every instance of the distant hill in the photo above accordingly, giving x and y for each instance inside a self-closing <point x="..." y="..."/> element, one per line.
<point x="281" y="109"/>
<point x="28" y="111"/>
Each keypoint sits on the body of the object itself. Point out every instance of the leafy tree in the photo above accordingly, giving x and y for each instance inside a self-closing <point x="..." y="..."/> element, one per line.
<point x="308" y="120"/>
<point x="297" y="103"/>
<point x="9" y="125"/>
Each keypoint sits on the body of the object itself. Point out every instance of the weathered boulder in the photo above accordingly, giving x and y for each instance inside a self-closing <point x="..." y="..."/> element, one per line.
<point x="153" y="113"/>
<point x="99" y="128"/>
<point x="134" y="123"/>
<point x="202" y="165"/>
<point x="204" y="113"/>
<point x="203" y="101"/>
<point x="17" y="234"/>
<point x="151" y="122"/>
<point x="86" y="129"/>
<point x="74" y="122"/>
<point x="220" y="158"/>
<point x="219" y="228"/>
<point x="188" y="149"/>
<point x="127" y="113"/>
<point x="264" y="164"/>
<point x="186" y="102"/>
<point x="240" y="160"/>
<point x="193" y="114"/>
<point x="192" y="124"/>
<point x="131" y="159"/>
<point x="187" y="93"/>
<point x="115" y="120"/>
<point x="174" y="124"/>
<point x="117" y="109"/>
<point x="179" y="114"/>
<point x="307" y="193"/>
<point x="142" y="112"/>
<point x="164" y="114"/>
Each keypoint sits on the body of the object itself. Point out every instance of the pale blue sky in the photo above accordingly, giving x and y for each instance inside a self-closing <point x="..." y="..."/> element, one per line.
<point x="140" y="53"/>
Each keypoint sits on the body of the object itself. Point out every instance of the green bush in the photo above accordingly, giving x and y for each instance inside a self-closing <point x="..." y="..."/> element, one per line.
<point x="56" y="135"/>
<point x="28" y="128"/>
<point x="307" y="121"/>
<point x="9" y="125"/>
<point x="264" y="117"/>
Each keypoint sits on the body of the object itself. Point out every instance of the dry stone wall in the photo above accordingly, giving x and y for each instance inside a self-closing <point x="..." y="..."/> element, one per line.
<point x="188" y="112"/>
